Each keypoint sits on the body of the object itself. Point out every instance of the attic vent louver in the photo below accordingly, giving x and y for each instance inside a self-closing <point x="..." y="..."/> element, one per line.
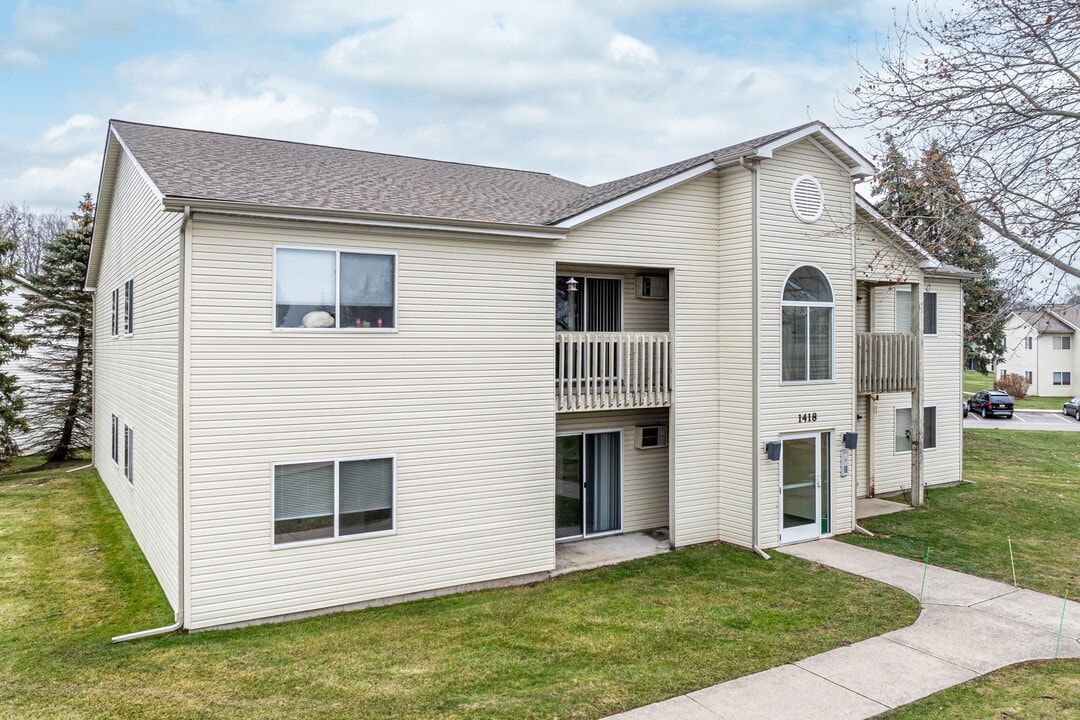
<point x="806" y="198"/>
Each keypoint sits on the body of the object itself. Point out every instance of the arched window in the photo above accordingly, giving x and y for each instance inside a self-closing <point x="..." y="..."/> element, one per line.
<point x="807" y="327"/>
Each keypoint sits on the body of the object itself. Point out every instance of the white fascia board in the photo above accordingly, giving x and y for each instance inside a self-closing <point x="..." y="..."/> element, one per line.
<point x="392" y="222"/>
<point x="1020" y="318"/>
<point x="856" y="166"/>
<point x="886" y="229"/>
<point x="636" y="196"/>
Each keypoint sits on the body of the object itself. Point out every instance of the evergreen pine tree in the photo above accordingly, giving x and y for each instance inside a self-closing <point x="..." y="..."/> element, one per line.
<point x="12" y="345"/>
<point x="925" y="201"/>
<point x="60" y="318"/>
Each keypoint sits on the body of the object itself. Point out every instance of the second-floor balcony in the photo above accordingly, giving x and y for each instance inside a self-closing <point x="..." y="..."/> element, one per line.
<point x="612" y="370"/>
<point x="886" y="362"/>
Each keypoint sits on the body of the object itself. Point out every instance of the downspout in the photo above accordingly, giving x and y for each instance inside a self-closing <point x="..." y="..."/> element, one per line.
<point x="755" y="431"/>
<point x="180" y="370"/>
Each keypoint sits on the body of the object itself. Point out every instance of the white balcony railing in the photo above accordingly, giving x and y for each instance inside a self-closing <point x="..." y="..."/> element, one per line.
<point x="886" y="362"/>
<point x="607" y="371"/>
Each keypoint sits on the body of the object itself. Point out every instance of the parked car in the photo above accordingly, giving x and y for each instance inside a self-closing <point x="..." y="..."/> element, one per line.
<point x="991" y="403"/>
<point x="965" y="408"/>
<point x="1072" y="407"/>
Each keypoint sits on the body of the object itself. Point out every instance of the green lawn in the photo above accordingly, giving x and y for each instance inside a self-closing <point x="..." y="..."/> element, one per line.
<point x="582" y="646"/>
<point x="1027" y="489"/>
<point x="976" y="381"/>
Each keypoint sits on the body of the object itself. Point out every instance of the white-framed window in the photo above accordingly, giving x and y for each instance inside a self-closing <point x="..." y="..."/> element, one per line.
<point x="116" y="312"/>
<point x="115" y="439"/>
<point x="1062" y="342"/>
<point x="129" y="307"/>
<point x="807" y="327"/>
<point x="1028" y="342"/>
<point x="129" y="454"/>
<point x="588" y="304"/>
<point x="1028" y="376"/>
<point x="329" y="499"/>
<point x="929" y="312"/>
<point x="1063" y="378"/>
<point x="902" y="429"/>
<point x="321" y="288"/>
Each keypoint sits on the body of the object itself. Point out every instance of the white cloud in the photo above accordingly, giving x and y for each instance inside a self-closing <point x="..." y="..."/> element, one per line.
<point x="52" y="187"/>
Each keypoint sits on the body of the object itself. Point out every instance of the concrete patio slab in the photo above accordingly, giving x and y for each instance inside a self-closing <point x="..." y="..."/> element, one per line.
<point x="785" y="692"/>
<point x="1036" y="610"/>
<point x="868" y="667"/>
<point x="978" y="641"/>
<point x="611" y="550"/>
<point x="869" y="507"/>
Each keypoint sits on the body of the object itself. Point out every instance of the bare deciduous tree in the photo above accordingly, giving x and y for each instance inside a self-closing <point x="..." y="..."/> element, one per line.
<point x="997" y="84"/>
<point x="30" y="231"/>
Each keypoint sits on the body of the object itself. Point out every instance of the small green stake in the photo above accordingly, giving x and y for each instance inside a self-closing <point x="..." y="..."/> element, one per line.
<point x="924" y="578"/>
<point x="1062" y="623"/>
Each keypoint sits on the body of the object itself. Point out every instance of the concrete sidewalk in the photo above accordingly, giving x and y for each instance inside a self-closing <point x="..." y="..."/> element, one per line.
<point x="968" y="627"/>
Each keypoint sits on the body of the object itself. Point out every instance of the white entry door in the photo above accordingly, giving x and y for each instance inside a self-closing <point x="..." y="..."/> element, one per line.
<point x="804" y="487"/>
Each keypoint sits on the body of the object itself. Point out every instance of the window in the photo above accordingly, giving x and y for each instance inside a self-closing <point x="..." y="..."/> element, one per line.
<point x="807" y="327"/>
<point x="903" y="312"/>
<point x="1063" y="378"/>
<point x="129" y="454"/>
<point x="1062" y="342"/>
<point x="115" y="439"/>
<point x="588" y="304"/>
<point x="1027" y="376"/>
<point x="1027" y="343"/>
<point x="129" y="307"/>
<point x="902" y="429"/>
<point x="116" y="312"/>
<point x="334" y="289"/>
<point x="333" y="498"/>
<point x="929" y="313"/>
<point x="1004" y="372"/>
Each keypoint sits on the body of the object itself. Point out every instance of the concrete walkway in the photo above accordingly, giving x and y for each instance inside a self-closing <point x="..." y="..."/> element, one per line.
<point x="968" y="627"/>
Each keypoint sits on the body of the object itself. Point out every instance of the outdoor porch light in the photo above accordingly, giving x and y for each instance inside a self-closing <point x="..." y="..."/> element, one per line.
<point x="772" y="449"/>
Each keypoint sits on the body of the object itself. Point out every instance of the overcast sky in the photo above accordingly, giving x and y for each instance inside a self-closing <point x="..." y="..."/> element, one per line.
<point x="590" y="90"/>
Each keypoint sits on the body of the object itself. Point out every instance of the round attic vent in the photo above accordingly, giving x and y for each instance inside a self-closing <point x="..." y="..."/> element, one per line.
<point x="806" y="198"/>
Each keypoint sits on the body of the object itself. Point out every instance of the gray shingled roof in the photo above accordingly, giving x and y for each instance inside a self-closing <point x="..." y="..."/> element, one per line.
<point x="198" y="165"/>
<point x="1043" y="322"/>
<point x="1070" y="312"/>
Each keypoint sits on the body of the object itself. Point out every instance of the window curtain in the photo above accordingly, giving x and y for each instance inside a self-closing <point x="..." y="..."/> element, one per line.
<point x="303" y="490"/>
<point x="306" y="277"/>
<point x="603" y="451"/>
<point x="365" y="485"/>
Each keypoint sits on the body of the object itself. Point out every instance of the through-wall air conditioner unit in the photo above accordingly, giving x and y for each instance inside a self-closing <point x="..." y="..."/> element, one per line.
<point x="650" y="436"/>
<point x="651" y="287"/>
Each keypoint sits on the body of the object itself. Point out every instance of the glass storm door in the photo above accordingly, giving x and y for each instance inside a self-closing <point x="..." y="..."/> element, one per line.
<point x="804" y="488"/>
<point x="588" y="484"/>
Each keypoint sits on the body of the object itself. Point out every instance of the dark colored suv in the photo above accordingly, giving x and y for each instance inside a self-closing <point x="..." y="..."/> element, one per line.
<point x="989" y="403"/>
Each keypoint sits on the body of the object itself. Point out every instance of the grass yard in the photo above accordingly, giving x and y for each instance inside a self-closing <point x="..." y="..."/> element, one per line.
<point x="1032" y="691"/>
<point x="582" y="646"/>
<point x="1027" y="489"/>
<point x="975" y="381"/>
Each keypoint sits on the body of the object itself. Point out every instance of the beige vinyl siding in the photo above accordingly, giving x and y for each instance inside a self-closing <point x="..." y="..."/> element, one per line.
<point x="1053" y="360"/>
<point x="1018" y="359"/>
<point x="787" y="243"/>
<point x="677" y="230"/>
<point x="644" y="472"/>
<point x="135" y="378"/>
<point x="734" y="358"/>
<point x="22" y="369"/>
<point x="461" y="393"/>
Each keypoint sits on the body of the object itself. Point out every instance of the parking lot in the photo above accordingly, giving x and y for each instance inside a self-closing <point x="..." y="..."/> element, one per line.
<point x="1026" y="420"/>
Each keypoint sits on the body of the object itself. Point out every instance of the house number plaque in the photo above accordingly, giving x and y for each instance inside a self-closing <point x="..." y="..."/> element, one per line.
<point x="808" y="417"/>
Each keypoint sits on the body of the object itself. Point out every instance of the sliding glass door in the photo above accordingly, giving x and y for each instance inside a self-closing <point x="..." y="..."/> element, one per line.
<point x="588" y="484"/>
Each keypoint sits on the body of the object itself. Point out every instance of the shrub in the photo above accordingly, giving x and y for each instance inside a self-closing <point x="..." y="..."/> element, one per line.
<point x="1015" y="385"/>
